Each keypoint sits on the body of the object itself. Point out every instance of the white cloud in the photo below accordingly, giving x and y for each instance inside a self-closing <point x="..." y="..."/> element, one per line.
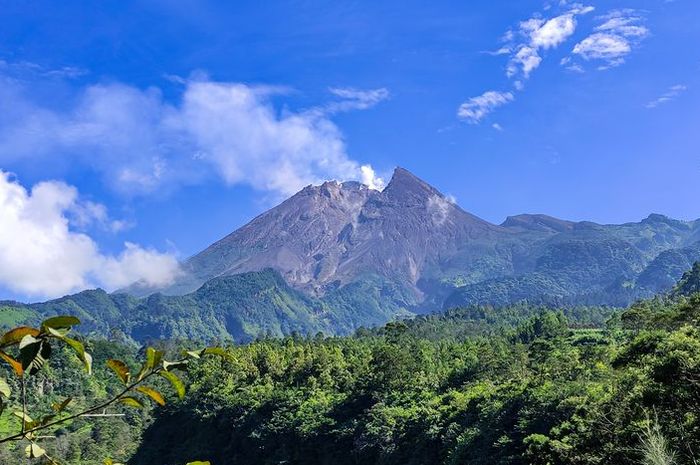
<point x="23" y="69"/>
<point x="476" y="108"/>
<point x="612" y="40"/>
<point x="134" y="264"/>
<point x="87" y="213"/>
<point x="356" y="99"/>
<point x="580" y="9"/>
<point x="553" y="32"/>
<point x="526" y="60"/>
<point x="602" y="46"/>
<point x="248" y="142"/>
<point x="624" y="25"/>
<point x="497" y="127"/>
<point x="671" y="94"/>
<point x="542" y="34"/>
<point x="141" y="143"/>
<point x="42" y="255"/>
<point x="533" y="36"/>
<point x="500" y="51"/>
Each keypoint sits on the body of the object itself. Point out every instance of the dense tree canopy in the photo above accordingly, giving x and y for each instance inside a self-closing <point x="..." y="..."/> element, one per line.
<point x="537" y="393"/>
<point x="518" y="385"/>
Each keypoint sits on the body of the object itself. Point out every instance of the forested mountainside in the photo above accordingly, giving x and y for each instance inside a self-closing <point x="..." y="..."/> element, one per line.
<point x="236" y="308"/>
<point x="435" y="390"/>
<point x="520" y="385"/>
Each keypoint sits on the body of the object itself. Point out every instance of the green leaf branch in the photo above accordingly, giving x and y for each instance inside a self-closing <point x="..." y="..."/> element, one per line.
<point x="26" y="350"/>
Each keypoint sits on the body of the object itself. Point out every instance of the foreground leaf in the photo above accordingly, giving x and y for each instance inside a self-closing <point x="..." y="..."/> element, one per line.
<point x="176" y="383"/>
<point x="219" y="351"/>
<point x="28" y="422"/>
<point x="33" y="451"/>
<point x="152" y="393"/>
<point x="77" y="346"/>
<point x="23" y="416"/>
<point x="120" y="369"/>
<point x="60" y="406"/>
<point x="16" y="366"/>
<point x="153" y="358"/>
<point x="15" y="335"/>
<point x="5" y="388"/>
<point x="33" y="353"/>
<point x="131" y="402"/>
<point x="60" y="322"/>
<point x="194" y="353"/>
<point x="179" y="365"/>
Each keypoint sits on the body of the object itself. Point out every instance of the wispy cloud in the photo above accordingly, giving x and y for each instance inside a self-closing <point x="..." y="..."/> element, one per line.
<point x="524" y="46"/>
<point x="22" y="69"/>
<point x="476" y="108"/>
<point x="498" y="52"/>
<point x="615" y="36"/>
<point x="672" y="93"/>
<point x="43" y="255"/>
<point x="85" y="214"/>
<point x="613" y="39"/>
<point x="356" y="99"/>
<point x="142" y="143"/>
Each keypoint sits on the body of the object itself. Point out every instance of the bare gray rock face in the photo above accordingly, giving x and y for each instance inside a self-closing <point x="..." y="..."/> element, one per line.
<point x="327" y="236"/>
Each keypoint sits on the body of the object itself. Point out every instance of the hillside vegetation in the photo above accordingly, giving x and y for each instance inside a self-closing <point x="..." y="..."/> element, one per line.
<point x="433" y="392"/>
<point x="520" y="385"/>
<point x="237" y="308"/>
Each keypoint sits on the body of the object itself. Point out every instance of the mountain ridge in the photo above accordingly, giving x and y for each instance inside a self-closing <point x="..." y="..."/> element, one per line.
<point x="331" y="235"/>
<point x="343" y="255"/>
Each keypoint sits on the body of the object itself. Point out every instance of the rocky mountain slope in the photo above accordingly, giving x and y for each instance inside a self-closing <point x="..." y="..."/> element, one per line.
<point x="328" y="236"/>
<point x="412" y="236"/>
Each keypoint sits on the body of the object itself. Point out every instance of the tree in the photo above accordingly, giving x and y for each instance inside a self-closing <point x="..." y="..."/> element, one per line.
<point x="690" y="282"/>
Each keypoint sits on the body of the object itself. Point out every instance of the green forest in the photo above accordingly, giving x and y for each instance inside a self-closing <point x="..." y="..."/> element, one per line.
<point x="521" y="385"/>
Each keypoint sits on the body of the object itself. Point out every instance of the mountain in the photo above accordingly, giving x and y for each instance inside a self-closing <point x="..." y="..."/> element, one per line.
<point x="328" y="236"/>
<point x="413" y="237"/>
<point x="338" y="256"/>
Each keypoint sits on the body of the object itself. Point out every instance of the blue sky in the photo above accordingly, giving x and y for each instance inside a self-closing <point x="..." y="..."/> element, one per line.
<point x="166" y="125"/>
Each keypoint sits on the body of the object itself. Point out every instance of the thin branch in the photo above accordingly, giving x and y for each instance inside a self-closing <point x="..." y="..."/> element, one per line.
<point x="103" y="405"/>
<point x="24" y="402"/>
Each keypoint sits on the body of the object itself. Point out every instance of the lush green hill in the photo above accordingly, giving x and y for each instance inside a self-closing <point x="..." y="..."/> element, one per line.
<point x="236" y="308"/>
<point x="13" y="314"/>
